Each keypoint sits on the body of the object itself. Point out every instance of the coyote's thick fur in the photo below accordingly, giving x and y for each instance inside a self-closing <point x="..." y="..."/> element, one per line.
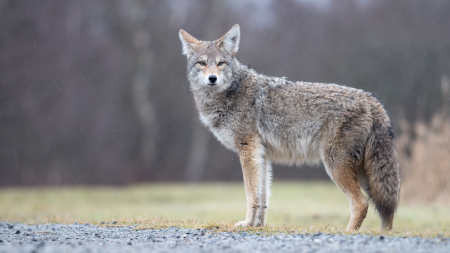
<point x="268" y="119"/>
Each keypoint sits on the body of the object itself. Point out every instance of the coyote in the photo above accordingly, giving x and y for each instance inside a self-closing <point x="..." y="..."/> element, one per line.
<point x="269" y="119"/>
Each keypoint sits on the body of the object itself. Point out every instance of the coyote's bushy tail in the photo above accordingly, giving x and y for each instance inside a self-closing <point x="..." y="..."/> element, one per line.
<point x="382" y="168"/>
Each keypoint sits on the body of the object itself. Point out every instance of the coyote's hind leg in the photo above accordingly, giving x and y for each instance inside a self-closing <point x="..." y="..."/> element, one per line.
<point x="344" y="174"/>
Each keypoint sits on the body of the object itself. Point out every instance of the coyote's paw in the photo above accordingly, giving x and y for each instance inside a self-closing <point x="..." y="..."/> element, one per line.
<point x="259" y="224"/>
<point x="242" y="224"/>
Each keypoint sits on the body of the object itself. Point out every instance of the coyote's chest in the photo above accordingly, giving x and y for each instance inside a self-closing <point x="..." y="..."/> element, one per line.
<point x="222" y="132"/>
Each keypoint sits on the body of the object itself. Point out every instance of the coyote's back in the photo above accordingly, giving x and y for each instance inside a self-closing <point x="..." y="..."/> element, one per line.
<point x="268" y="119"/>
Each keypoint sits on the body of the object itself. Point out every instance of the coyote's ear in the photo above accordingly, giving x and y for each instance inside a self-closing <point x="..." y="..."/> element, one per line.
<point x="230" y="41"/>
<point x="189" y="43"/>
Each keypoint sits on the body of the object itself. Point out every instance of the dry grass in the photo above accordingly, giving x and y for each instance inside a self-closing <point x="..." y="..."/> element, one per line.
<point x="295" y="207"/>
<point x="425" y="161"/>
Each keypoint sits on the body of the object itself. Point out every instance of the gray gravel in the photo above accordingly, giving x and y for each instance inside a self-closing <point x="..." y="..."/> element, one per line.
<point x="92" y="238"/>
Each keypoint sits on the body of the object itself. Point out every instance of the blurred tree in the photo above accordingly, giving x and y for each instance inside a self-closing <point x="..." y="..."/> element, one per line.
<point x="95" y="91"/>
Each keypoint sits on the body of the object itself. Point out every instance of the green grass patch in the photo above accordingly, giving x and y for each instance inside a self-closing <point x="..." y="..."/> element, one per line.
<point x="295" y="207"/>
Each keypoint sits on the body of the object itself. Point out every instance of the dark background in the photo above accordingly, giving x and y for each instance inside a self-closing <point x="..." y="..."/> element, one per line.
<point x="94" y="92"/>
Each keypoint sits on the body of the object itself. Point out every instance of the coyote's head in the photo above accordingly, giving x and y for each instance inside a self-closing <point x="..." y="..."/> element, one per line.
<point x="211" y="64"/>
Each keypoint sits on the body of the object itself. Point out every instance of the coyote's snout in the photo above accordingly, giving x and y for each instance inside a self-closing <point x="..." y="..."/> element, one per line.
<point x="268" y="119"/>
<point x="211" y="72"/>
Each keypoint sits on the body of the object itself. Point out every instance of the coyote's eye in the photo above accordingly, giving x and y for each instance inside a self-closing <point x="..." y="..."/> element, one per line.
<point x="220" y="63"/>
<point x="202" y="63"/>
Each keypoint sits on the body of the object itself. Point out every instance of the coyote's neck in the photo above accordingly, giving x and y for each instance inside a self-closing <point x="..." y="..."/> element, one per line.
<point x="214" y="107"/>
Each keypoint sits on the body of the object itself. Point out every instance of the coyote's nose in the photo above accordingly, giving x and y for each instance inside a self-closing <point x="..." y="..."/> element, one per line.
<point x="212" y="78"/>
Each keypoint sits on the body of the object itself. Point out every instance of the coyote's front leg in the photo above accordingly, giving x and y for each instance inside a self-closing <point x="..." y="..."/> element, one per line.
<point x="251" y="154"/>
<point x="266" y="178"/>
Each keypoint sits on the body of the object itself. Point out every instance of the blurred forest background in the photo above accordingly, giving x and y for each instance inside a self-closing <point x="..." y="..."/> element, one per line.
<point x="94" y="92"/>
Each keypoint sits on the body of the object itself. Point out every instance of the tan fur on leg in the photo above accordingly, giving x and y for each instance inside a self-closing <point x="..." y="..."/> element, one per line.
<point x="358" y="204"/>
<point x="344" y="175"/>
<point x="251" y="155"/>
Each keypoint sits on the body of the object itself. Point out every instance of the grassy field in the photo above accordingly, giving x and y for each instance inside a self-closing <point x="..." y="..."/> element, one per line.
<point x="294" y="206"/>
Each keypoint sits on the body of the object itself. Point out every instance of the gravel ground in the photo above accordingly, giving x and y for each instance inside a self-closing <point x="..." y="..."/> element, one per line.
<point x="92" y="238"/>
